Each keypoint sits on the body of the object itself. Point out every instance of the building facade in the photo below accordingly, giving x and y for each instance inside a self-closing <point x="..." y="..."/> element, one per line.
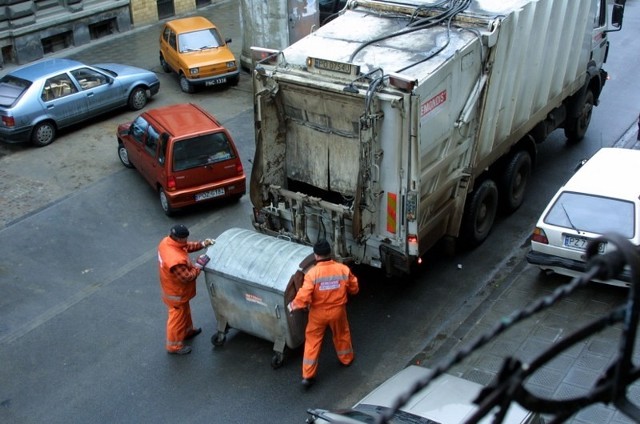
<point x="31" y="29"/>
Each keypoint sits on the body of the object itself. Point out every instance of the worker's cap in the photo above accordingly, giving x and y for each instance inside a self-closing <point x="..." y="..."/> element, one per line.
<point x="179" y="231"/>
<point x="322" y="248"/>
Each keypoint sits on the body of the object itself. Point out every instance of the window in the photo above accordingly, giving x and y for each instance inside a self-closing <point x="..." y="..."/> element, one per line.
<point x="88" y="78"/>
<point x="594" y="214"/>
<point x="139" y="129"/>
<point x="151" y="145"/>
<point x="57" y="87"/>
<point x="172" y="40"/>
<point x="203" y="150"/>
<point x="198" y="40"/>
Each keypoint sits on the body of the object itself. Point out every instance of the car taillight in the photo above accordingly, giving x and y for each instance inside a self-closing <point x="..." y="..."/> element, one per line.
<point x="239" y="168"/>
<point x="9" y="121"/>
<point x="539" y="236"/>
<point x="171" y="183"/>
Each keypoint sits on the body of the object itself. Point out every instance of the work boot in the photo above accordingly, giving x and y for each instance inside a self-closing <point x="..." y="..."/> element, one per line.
<point x="193" y="333"/>
<point x="307" y="382"/>
<point x="183" y="351"/>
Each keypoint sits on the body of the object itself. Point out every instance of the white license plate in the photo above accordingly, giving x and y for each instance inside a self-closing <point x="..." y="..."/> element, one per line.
<point x="210" y="194"/>
<point x="580" y="243"/>
<point x="216" y="81"/>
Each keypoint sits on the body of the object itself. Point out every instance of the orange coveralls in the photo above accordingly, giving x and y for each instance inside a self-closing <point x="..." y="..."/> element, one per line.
<point x="175" y="292"/>
<point x="324" y="291"/>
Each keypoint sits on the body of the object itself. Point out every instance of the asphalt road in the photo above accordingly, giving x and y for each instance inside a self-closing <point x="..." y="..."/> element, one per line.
<point x="81" y="321"/>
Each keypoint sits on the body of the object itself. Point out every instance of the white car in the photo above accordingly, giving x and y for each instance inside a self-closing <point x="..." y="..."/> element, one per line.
<point x="601" y="197"/>
<point x="446" y="400"/>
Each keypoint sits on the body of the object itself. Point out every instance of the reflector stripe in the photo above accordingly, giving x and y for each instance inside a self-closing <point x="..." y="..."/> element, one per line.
<point x="391" y="212"/>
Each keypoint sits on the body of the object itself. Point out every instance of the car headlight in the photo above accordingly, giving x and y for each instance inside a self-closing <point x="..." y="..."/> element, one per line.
<point x="231" y="64"/>
<point x="194" y="71"/>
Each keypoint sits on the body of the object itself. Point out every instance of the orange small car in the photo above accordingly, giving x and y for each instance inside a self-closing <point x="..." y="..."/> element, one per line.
<point x="184" y="153"/>
<point x="194" y="49"/>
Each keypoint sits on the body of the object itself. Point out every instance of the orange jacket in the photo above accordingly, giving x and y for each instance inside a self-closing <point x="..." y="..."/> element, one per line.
<point x="326" y="285"/>
<point x="170" y="254"/>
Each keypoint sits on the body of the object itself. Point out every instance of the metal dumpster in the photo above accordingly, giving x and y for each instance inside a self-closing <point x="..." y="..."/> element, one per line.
<point x="251" y="277"/>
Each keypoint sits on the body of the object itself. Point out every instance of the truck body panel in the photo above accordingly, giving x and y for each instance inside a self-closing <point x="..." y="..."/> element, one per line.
<point x="374" y="130"/>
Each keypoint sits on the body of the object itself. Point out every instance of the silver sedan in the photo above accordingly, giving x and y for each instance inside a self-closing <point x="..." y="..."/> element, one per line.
<point x="38" y="99"/>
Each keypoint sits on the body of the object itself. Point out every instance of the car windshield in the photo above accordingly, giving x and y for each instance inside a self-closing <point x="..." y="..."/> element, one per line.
<point x="198" y="40"/>
<point x="594" y="214"/>
<point x="199" y="151"/>
<point x="11" y="88"/>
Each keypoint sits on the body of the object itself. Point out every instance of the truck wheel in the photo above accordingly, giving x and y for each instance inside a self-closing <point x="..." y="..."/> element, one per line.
<point x="480" y="212"/>
<point x="514" y="181"/>
<point x="576" y="128"/>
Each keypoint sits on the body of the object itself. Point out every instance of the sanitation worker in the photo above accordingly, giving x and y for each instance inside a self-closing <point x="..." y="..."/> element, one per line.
<point x="178" y="282"/>
<point x="324" y="291"/>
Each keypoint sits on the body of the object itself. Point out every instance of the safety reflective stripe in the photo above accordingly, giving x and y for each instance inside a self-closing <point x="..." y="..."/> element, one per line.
<point x="345" y="352"/>
<point x="330" y="278"/>
<point x="307" y="361"/>
<point x="177" y="344"/>
<point x="392" y="199"/>
<point x="171" y="297"/>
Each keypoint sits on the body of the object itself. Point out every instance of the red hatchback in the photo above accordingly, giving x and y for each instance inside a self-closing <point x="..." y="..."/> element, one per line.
<point x="184" y="153"/>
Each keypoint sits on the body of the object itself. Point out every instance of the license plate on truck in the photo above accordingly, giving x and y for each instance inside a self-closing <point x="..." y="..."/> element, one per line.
<point x="210" y="194"/>
<point x="580" y="243"/>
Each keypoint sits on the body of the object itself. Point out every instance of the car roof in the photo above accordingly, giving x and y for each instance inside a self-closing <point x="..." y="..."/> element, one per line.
<point x="183" y="119"/>
<point x="192" y="23"/>
<point x="44" y="68"/>
<point x="447" y="399"/>
<point x="611" y="172"/>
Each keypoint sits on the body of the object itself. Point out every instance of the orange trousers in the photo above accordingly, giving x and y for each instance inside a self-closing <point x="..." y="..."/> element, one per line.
<point x="319" y="319"/>
<point x="179" y="325"/>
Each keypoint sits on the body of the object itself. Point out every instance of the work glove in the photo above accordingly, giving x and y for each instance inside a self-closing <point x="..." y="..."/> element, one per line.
<point x="208" y="242"/>
<point x="202" y="261"/>
<point x="290" y="307"/>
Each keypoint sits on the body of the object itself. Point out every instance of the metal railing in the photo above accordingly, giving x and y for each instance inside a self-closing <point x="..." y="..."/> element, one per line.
<point x="611" y="388"/>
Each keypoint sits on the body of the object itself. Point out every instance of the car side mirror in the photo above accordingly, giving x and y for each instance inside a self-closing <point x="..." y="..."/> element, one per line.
<point x="227" y="40"/>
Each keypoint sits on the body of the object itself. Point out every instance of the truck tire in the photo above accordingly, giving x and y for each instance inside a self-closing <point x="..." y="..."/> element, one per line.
<point x="479" y="214"/>
<point x="515" y="178"/>
<point x="576" y="128"/>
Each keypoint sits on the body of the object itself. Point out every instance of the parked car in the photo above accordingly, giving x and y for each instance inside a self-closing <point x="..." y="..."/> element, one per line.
<point x="38" y="99"/>
<point x="601" y="197"/>
<point x="186" y="155"/>
<point x="194" y="49"/>
<point x="447" y="400"/>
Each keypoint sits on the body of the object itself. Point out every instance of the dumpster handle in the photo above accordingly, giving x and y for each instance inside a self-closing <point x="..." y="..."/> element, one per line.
<point x="278" y="311"/>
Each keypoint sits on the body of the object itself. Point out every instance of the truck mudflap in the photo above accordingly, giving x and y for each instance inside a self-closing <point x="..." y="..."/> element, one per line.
<point x="394" y="261"/>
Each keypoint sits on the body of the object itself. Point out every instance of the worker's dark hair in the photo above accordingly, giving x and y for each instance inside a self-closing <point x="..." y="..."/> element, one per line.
<point x="322" y="248"/>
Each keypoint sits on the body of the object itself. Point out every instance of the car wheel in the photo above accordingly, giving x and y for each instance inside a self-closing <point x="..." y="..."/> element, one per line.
<point x="164" y="64"/>
<point x="138" y="98"/>
<point x="124" y="156"/>
<point x="43" y="133"/>
<point x="576" y="128"/>
<point x="514" y="181"/>
<point x="480" y="212"/>
<point x="164" y="203"/>
<point x="233" y="81"/>
<point x="185" y="85"/>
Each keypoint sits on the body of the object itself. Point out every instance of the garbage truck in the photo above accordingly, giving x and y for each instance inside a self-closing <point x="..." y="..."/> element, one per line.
<point x="402" y="123"/>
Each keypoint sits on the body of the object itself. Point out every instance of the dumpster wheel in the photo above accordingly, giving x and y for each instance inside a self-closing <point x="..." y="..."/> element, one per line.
<point x="219" y="338"/>
<point x="277" y="360"/>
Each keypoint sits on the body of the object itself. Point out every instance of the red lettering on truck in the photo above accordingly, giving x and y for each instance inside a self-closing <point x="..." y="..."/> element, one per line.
<point x="433" y="103"/>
